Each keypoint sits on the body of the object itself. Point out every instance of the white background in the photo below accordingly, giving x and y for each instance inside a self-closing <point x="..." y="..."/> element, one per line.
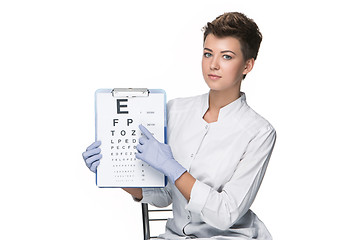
<point x="55" y="54"/>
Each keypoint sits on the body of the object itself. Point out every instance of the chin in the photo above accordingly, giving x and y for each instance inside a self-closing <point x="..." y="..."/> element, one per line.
<point x="215" y="87"/>
<point x="222" y="86"/>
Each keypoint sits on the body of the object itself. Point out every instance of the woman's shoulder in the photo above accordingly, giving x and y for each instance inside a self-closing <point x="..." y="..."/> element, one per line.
<point x="185" y="103"/>
<point x="255" y="121"/>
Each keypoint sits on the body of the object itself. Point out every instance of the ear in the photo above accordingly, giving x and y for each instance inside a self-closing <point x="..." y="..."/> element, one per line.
<point x="249" y="66"/>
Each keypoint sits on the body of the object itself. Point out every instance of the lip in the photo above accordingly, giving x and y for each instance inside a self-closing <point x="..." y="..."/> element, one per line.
<point x="213" y="76"/>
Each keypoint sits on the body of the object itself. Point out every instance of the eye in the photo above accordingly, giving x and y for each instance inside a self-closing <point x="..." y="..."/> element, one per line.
<point x="227" y="57"/>
<point x="207" y="55"/>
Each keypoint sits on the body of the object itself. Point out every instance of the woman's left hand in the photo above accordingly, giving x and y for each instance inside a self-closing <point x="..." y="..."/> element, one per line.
<point x="158" y="155"/>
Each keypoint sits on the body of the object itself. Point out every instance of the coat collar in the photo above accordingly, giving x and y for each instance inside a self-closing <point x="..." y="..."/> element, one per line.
<point x="225" y="111"/>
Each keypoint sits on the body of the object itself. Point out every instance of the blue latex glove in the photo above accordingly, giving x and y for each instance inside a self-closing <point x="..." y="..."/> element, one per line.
<point x="158" y="155"/>
<point x="92" y="156"/>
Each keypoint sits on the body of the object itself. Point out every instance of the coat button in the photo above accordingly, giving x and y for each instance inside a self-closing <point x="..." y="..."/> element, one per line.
<point x="192" y="155"/>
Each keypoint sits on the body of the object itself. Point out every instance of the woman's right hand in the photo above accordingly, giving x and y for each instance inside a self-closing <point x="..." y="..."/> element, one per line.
<point x="92" y="156"/>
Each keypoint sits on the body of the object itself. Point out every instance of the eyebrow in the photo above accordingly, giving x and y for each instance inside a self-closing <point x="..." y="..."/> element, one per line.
<point x="208" y="49"/>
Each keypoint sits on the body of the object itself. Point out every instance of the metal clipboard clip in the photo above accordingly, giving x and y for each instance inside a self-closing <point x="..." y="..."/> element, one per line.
<point x="130" y="92"/>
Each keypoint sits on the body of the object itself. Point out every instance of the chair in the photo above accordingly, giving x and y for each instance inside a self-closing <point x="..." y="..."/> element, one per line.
<point x="146" y="218"/>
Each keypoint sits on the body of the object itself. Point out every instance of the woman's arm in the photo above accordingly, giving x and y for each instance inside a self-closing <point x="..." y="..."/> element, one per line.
<point x="221" y="209"/>
<point x="185" y="184"/>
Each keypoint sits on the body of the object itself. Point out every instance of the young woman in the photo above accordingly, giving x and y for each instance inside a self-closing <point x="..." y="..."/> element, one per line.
<point x="218" y="147"/>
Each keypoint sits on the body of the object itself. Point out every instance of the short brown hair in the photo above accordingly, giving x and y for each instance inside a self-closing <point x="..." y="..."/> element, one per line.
<point x="237" y="25"/>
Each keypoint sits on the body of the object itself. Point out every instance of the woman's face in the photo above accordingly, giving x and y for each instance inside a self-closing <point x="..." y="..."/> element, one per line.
<point x="223" y="65"/>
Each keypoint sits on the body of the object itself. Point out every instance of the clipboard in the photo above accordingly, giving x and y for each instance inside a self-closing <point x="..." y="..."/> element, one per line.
<point x="118" y="114"/>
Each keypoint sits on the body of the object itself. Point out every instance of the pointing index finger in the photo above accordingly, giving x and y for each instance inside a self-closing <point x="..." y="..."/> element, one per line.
<point x="145" y="132"/>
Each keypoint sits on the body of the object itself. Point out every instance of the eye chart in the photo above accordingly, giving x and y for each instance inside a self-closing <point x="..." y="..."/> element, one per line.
<point x="119" y="112"/>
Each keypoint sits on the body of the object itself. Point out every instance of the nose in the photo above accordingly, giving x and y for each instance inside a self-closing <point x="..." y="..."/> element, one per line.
<point x="214" y="65"/>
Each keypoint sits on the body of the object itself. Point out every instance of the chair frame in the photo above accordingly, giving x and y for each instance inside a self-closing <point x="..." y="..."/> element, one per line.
<point x="146" y="220"/>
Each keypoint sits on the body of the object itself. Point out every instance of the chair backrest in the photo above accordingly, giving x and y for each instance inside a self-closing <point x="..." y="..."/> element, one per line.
<point x="147" y="218"/>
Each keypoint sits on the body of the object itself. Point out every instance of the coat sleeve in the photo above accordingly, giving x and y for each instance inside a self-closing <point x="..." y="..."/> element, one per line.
<point x="222" y="209"/>
<point x="158" y="197"/>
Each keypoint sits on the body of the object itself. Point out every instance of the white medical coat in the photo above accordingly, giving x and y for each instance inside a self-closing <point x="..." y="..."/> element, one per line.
<point x="228" y="158"/>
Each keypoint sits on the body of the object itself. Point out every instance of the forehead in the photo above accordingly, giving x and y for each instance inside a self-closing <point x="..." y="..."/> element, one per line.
<point x="222" y="43"/>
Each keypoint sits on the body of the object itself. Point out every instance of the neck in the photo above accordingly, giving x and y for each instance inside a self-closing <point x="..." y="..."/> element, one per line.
<point x="219" y="99"/>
